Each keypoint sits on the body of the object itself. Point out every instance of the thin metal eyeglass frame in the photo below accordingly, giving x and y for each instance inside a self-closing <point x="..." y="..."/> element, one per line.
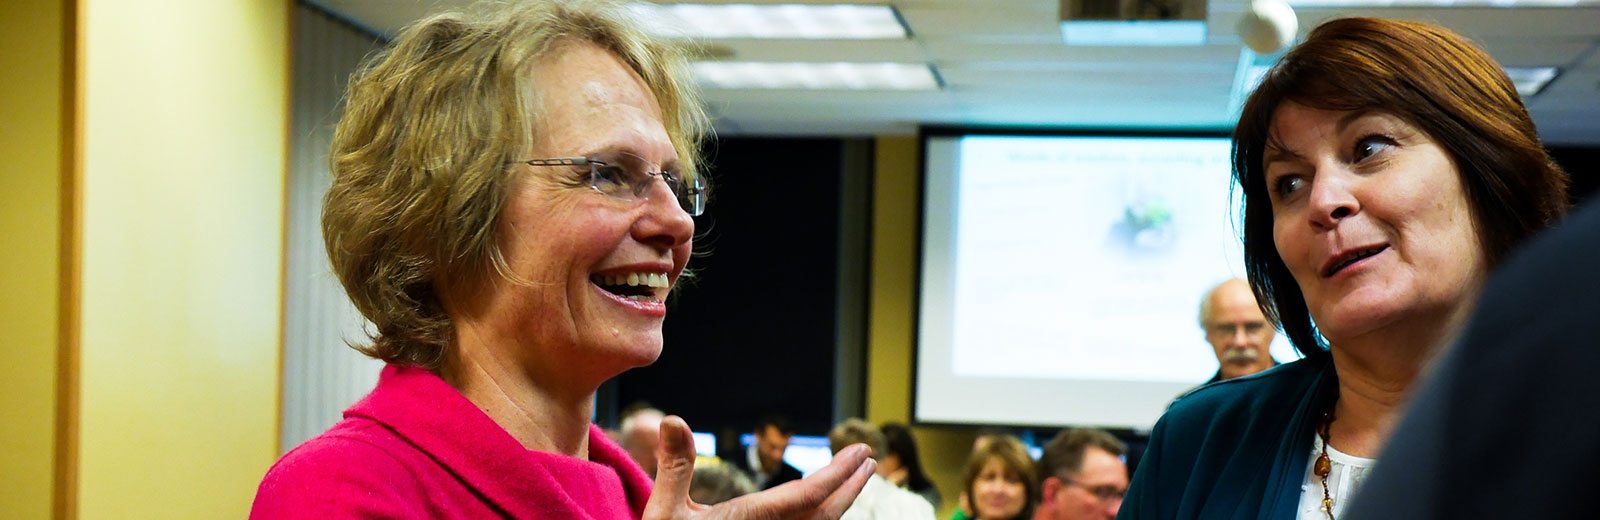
<point x="692" y="200"/>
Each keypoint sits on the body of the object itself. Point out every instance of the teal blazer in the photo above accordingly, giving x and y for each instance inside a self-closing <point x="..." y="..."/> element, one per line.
<point x="1236" y="448"/>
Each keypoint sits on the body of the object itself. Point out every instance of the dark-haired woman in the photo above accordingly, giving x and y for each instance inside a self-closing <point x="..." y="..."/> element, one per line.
<point x="1387" y="167"/>
<point x="902" y="465"/>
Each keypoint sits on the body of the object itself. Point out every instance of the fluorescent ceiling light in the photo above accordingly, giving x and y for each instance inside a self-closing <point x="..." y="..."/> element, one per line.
<point x="1531" y="80"/>
<point x="1151" y="33"/>
<point x="816" y="76"/>
<point x="774" y="21"/>
<point x="1439" y="3"/>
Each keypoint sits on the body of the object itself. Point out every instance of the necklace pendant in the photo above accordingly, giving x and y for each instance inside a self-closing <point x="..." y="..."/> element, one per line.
<point x="1327" y="506"/>
<point x="1323" y="466"/>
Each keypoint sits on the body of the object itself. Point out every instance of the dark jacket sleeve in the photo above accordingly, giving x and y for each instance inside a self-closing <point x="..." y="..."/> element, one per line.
<point x="1142" y="500"/>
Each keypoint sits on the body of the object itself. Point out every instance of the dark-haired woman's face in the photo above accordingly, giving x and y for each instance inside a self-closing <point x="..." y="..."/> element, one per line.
<point x="998" y="492"/>
<point x="1370" y="217"/>
<point x="891" y="469"/>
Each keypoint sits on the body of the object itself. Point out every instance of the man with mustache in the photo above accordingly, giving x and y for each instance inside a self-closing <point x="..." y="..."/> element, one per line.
<point x="1236" y="330"/>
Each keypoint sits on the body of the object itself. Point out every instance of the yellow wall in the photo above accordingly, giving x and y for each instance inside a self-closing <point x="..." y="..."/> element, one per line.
<point x="185" y="113"/>
<point x="890" y="319"/>
<point x="34" y="59"/>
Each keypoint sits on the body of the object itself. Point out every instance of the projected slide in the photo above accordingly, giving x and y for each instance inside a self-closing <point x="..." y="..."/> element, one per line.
<point x="1062" y="275"/>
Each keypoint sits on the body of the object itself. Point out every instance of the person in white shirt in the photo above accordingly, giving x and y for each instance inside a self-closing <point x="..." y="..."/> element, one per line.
<point x="880" y="499"/>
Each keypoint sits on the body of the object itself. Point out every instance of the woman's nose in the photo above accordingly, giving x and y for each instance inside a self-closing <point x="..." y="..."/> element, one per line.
<point x="1333" y="199"/>
<point x="664" y="222"/>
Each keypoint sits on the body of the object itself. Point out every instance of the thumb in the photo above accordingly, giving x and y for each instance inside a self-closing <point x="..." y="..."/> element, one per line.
<point x="674" y="470"/>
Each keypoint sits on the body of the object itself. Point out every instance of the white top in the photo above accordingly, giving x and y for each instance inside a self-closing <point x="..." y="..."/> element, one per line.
<point x="1348" y="473"/>
<point x="880" y="500"/>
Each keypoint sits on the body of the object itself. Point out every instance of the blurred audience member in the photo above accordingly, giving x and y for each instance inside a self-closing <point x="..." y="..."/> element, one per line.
<point x="999" y="479"/>
<point x="980" y="441"/>
<point x="880" y="499"/>
<point x="1236" y="330"/>
<point x="715" y="482"/>
<point x="1083" y="476"/>
<point x="763" y="460"/>
<point x="901" y="464"/>
<point x="640" y="434"/>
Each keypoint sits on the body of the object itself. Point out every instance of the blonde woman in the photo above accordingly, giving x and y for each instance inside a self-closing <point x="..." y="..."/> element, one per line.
<point x="512" y="202"/>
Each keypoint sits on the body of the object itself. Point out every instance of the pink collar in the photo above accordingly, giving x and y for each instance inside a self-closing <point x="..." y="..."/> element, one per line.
<point x="435" y="418"/>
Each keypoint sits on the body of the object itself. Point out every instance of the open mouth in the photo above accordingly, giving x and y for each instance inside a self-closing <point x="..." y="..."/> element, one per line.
<point x="1351" y="257"/>
<point x="637" y="286"/>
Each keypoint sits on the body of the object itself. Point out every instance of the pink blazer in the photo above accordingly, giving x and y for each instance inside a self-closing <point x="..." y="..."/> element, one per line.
<point x="416" y="448"/>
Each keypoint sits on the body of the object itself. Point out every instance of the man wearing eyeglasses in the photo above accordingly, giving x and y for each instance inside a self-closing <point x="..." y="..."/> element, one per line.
<point x="1084" y="476"/>
<point x="1236" y="330"/>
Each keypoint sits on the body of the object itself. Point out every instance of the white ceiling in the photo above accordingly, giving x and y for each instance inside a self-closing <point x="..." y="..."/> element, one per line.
<point x="1003" y="64"/>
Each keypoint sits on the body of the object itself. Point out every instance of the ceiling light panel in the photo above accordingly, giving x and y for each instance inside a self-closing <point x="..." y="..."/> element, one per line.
<point x="1145" y="33"/>
<point x="815" y="76"/>
<point x="774" y="21"/>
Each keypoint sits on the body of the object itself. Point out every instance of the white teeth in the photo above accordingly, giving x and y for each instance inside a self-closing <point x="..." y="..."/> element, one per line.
<point x="656" y="280"/>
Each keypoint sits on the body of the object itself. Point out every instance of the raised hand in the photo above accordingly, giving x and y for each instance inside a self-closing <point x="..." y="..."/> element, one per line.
<point x="825" y="494"/>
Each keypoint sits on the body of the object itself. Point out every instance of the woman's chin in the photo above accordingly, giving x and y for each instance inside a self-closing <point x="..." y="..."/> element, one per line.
<point x="629" y="354"/>
<point x="1358" y="319"/>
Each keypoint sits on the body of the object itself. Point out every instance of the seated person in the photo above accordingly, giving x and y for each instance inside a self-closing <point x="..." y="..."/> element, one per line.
<point x="880" y="499"/>
<point x="999" y="480"/>
<point x="715" y="482"/>
<point x="640" y="434"/>
<point x="901" y="464"/>
<point x="763" y="460"/>
<point x="1083" y="476"/>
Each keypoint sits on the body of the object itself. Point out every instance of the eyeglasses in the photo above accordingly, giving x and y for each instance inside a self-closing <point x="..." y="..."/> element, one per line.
<point x="625" y="176"/>
<point x="1105" y="493"/>
<point x="1228" y="329"/>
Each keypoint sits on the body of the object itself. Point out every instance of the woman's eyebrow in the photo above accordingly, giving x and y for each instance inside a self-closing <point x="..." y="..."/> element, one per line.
<point x="1276" y="151"/>
<point x="1355" y="115"/>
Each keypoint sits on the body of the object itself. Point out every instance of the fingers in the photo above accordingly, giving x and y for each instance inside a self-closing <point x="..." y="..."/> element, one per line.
<point x="834" y="486"/>
<point x="674" y="470"/>
<point x="841" y="499"/>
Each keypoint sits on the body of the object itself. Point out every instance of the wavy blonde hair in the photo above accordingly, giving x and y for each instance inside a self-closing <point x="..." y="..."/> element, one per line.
<point x="419" y="154"/>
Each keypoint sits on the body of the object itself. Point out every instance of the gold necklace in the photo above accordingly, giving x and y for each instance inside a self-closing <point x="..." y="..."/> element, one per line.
<point x="1324" y="466"/>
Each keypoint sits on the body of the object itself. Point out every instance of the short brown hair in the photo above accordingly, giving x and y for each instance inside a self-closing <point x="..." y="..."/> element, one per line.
<point x="1433" y="79"/>
<point x="1014" y="456"/>
<point x="419" y="156"/>
<point x="1064" y="453"/>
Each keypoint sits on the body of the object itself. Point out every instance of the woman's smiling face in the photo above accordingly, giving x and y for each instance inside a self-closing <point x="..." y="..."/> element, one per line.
<point x="572" y="245"/>
<point x="1370" y="216"/>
